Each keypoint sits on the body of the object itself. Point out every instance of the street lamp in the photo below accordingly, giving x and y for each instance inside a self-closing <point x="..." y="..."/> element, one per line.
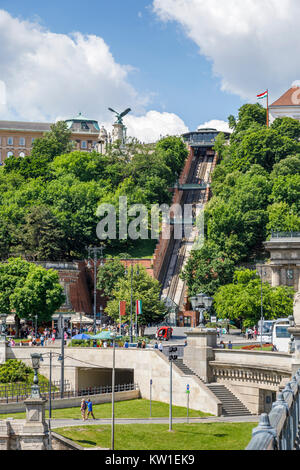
<point x="93" y="251"/>
<point x="113" y="337"/>
<point x="201" y="302"/>
<point x="261" y="306"/>
<point x="36" y="318"/>
<point x="131" y="296"/>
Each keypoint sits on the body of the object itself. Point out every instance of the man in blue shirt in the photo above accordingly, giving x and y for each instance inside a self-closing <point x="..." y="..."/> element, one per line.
<point x="90" y="409"/>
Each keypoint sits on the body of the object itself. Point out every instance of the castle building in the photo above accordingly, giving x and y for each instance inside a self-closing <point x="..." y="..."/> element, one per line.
<point x="288" y="105"/>
<point x="17" y="138"/>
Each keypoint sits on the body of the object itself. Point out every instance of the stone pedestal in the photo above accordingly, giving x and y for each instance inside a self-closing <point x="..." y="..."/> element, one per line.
<point x="118" y="132"/>
<point x="199" y="351"/>
<point x="35" y="435"/>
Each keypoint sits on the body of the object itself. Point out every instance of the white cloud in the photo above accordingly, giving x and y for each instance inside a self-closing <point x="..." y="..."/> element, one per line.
<point x="153" y="125"/>
<point x="47" y="75"/>
<point x="253" y="44"/>
<point x="221" y="126"/>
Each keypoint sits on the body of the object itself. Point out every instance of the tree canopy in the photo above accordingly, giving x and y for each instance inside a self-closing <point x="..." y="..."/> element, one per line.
<point x="256" y="190"/>
<point x="49" y="200"/>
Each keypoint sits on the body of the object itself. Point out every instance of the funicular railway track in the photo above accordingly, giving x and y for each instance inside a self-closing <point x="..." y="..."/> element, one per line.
<point x="174" y="287"/>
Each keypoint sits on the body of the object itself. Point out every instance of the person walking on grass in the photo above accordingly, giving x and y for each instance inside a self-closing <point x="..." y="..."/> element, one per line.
<point x="90" y="409"/>
<point x="83" y="409"/>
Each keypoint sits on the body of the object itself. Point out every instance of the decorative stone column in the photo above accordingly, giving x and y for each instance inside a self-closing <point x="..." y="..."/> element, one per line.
<point x="199" y="351"/>
<point x="275" y="276"/>
<point x="35" y="435"/>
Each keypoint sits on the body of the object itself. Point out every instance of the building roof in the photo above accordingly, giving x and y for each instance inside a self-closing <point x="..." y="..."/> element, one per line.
<point x="25" y="126"/>
<point x="83" y="123"/>
<point x="289" y="98"/>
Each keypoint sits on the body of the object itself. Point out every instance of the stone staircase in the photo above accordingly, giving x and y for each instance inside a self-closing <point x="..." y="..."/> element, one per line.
<point x="231" y="405"/>
<point x="184" y="368"/>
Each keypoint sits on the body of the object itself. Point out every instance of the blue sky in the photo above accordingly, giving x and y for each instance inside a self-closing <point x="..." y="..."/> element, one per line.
<point x="176" y="63"/>
<point x="168" y="64"/>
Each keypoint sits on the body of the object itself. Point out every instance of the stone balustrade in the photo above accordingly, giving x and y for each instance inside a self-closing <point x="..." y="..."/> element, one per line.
<point x="279" y="430"/>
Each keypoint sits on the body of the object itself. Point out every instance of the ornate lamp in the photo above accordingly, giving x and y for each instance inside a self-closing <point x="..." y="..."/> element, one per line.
<point x="194" y="302"/>
<point x="208" y="301"/>
<point x="35" y="389"/>
<point x="3" y="317"/>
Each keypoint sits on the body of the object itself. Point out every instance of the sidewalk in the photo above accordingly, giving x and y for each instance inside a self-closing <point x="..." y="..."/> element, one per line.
<point x="60" y="423"/>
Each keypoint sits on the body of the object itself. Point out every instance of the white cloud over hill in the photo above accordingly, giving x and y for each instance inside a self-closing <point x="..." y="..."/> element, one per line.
<point x="46" y="75"/>
<point x="253" y="44"/>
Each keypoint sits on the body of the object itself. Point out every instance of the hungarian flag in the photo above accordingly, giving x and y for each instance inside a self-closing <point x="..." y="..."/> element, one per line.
<point x="138" y="307"/>
<point x="262" y="95"/>
<point x="122" y="308"/>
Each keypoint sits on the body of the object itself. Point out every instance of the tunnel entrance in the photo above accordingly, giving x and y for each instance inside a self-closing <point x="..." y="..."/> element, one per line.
<point x="101" y="377"/>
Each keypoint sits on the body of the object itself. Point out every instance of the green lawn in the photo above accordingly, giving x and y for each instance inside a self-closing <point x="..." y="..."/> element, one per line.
<point x="207" y="436"/>
<point x="123" y="409"/>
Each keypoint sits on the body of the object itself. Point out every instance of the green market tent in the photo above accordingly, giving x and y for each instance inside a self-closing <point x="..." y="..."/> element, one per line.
<point x="105" y="335"/>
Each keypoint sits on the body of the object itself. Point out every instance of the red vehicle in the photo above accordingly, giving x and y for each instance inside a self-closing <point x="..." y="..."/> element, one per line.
<point x="164" y="333"/>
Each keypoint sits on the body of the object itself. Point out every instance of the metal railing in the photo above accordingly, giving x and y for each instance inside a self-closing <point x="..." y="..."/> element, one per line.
<point x="22" y="393"/>
<point x="280" y="429"/>
<point x="285" y="235"/>
<point x="15" y="393"/>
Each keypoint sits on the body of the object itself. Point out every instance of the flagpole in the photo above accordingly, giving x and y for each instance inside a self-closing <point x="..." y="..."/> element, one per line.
<point x="136" y="320"/>
<point x="267" y="108"/>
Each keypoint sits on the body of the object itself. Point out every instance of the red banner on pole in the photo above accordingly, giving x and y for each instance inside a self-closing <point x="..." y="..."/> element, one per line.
<point x="122" y="308"/>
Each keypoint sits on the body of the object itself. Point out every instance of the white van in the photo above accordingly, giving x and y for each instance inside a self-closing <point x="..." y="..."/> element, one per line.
<point x="280" y="335"/>
<point x="267" y="328"/>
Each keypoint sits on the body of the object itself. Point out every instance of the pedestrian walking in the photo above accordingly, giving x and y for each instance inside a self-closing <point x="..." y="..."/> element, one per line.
<point x="83" y="409"/>
<point x="42" y="338"/>
<point x="160" y="347"/>
<point x="90" y="409"/>
<point x="230" y="345"/>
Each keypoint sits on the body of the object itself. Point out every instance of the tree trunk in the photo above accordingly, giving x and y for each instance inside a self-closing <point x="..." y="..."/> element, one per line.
<point x="18" y="325"/>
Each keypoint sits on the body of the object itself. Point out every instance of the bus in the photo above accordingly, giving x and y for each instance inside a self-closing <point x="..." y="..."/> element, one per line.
<point x="280" y="335"/>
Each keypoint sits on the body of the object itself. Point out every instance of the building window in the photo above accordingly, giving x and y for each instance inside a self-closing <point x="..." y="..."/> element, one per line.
<point x="32" y="140"/>
<point x="10" y="141"/>
<point x="84" y="144"/>
<point x="10" y="154"/>
<point x="22" y="142"/>
<point x="84" y="126"/>
<point x="22" y="154"/>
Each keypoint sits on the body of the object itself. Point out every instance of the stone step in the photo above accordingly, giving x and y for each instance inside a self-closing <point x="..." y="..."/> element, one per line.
<point x="231" y="405"/>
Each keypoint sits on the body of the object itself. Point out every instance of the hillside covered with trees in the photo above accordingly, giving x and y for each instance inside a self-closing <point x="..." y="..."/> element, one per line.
<point x="49" y="200"/>
<point x="256" y="190"/>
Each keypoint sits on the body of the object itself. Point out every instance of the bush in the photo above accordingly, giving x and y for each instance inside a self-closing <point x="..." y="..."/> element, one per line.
<point x="14" y="371"/>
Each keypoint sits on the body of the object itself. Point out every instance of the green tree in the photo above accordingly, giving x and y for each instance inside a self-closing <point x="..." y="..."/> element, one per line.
<point x="283" y="218"/>
<point x="53" y="143"/>
<point x="29" y="290"/>
<point x="287" y="126"/>
<point x="248" y="115"/>
<point x="241" y="300"/>
<point x="144" y="288"/>
<point x="108" y="276"/>
<point x="42" y="239"/>
<point x="207" y="269"/>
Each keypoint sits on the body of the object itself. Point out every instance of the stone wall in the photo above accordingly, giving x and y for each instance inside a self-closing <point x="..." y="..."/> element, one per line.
<point x="61" y="403"/>
<point x="147" y="364"/>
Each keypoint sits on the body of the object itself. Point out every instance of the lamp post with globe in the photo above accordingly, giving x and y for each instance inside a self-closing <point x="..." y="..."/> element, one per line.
<point x="201" y="303"/>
